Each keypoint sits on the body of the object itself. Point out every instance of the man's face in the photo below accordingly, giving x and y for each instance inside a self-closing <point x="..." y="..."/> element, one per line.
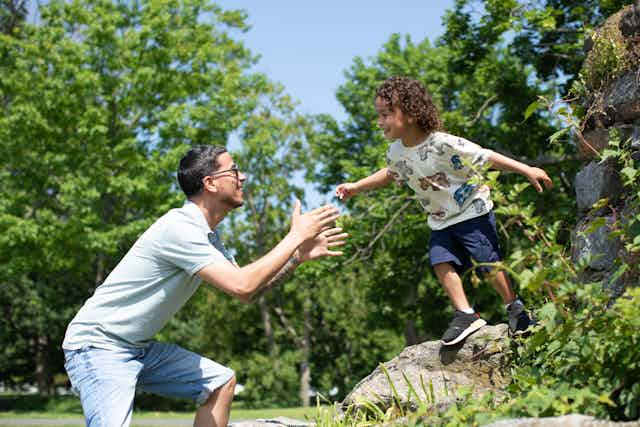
<point x="393" y="122"/>
<point x="228" y="180"/>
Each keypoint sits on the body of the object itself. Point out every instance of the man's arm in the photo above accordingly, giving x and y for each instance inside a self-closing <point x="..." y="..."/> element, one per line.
<point x="309" y="250"/>
<point x="280" y="277"/>
<point x="243" y="282"/>
<point x="376" y="180"/>
<point x="533" y="174"/>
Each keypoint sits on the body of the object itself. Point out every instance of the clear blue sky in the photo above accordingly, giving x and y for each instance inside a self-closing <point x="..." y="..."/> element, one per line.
<point x="308" y="45"/>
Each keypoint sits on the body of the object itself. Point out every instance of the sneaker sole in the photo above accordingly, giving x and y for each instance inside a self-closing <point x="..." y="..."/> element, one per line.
<point x="471" y="329"/>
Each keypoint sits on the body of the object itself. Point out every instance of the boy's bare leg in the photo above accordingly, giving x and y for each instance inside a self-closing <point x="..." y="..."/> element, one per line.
<point x="502" y="285"/>
<point x="215" y="411"/>
<point x="450" y="280"/>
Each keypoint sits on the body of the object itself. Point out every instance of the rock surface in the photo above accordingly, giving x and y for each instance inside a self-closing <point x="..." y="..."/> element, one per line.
<point x="477" y="363"/>
<point x="596" y="181"/>
<point x="272" y="422"/>
<point x="572" y="420"/>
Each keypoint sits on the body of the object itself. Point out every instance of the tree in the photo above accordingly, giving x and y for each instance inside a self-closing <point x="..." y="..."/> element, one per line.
<point x="12" y="15"/>
<point x="116" y="92"/>
<point x="547" y="34"/>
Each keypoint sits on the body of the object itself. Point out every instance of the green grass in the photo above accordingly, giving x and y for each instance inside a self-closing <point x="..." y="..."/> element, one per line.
<point x="68" y="407"/>
<point x="237" y="413"/>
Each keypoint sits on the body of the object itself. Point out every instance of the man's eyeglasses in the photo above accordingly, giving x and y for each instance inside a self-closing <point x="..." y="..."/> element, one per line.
<point x="233" y="169"/>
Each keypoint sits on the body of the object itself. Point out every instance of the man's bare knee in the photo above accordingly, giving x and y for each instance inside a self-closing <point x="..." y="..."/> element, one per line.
<point x="225" y="391"/>
<point x="229" y="386"/>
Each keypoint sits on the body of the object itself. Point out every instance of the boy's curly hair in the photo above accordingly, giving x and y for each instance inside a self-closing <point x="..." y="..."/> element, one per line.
<point x="412" y="98"/>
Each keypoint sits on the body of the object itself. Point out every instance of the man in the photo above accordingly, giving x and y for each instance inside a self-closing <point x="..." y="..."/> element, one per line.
<point x="108" y="346"/>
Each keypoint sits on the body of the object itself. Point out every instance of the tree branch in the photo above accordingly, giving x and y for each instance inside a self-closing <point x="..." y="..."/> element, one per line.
<point x="381" y="232"/>
<point x="287" y="326"/>
<point x="484" y="106"/>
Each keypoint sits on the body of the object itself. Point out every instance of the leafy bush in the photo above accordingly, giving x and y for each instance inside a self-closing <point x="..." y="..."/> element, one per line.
<point x="269" y="382"/>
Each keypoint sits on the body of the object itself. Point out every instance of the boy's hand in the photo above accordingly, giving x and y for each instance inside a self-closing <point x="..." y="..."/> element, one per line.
<point x="346" y="190"/>
<point x="534" y="175"/>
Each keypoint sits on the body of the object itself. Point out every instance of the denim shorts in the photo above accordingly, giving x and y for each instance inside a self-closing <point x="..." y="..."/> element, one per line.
<point x="106" y="379"/>
<point x="475" y="238"/>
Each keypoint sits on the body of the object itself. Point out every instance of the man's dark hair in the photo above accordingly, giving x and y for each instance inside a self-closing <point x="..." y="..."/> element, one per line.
<point x="198" y="162"/>
<point x="412" y="98"/>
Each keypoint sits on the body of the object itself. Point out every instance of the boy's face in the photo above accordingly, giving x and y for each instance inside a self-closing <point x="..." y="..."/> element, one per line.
<point x="393" y="122"/>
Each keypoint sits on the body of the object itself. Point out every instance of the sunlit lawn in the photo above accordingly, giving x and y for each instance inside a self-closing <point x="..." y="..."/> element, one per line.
<point x="236" y="414"/>
<point x="68" y="407"/>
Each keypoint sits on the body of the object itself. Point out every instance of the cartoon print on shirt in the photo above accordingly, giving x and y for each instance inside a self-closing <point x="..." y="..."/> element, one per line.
<point x="404" y="169"/>
<point x="438" y="148"/>
<point x="436" y="181"/>
<point x="438" y="215"/>
<point x="463" y="192"/>
<point x="479" y="205"/>
<point x="425" y="203"/>
<point x="456" y="162"/>
<point x="423" y="152"/>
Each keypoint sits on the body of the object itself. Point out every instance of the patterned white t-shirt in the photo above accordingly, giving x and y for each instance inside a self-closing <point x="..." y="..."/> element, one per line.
<point x="439" y="170"/>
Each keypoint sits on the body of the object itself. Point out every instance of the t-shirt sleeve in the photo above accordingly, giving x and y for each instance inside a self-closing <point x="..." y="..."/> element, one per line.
<point x="463" y="155"/>
<point x="188" y="248"/>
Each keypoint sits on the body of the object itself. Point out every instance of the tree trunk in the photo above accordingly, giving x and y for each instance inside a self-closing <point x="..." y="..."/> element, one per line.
<point x="43" y="376"/>
<point x="100" y="270"/>
<point x="305" y="347"/>
<point x="266" y="324"/>
<point x="410" y="336"/>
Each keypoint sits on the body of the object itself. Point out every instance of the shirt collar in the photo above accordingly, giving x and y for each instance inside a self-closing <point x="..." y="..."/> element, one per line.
<point x="193" y="211"/>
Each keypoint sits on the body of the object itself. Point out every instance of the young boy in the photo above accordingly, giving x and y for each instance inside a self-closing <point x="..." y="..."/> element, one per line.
<point x="438" y="167"/>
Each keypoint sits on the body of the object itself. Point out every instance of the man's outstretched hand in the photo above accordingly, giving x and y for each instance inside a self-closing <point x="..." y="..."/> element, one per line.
<point x="321" y="245"/>
<point x="308" y="225"/>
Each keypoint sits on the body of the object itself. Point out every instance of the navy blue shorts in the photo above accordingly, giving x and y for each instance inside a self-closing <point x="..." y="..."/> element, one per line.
<point x="475" y="238"/>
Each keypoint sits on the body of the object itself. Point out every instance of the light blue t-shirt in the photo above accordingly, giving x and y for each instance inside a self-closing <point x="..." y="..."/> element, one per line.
<point x="150" y="284"/>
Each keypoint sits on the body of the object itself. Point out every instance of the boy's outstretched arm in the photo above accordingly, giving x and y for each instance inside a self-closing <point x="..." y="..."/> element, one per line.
<point x="379" y="179"/>
<point x="533" y="174"/>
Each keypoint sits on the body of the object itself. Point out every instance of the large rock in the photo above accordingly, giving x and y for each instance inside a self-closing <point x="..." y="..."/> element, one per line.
<point x="623" y="97"/>
<point x="596" y="181"/>
<point x="573" y="420"/>
<point x="477" y="363"/>
<point x="597" y="139"/>
<point x="598" y="247"/>
<point x="630" y="21"/>
<point x="272" y="422"/>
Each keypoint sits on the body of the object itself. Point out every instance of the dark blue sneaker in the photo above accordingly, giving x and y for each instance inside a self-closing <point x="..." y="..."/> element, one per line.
<point x="519" y="320"/>
<point x="462" y="325"/>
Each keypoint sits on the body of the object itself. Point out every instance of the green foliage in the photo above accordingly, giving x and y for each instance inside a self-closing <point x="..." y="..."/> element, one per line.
<point x="607" y="58"/>
<point x="269" y="382"/>
<point x="628" y="162"/>
<point x="587" y="347"/>
<point x="583" y="357"/>
<point x="90" y="143"/>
